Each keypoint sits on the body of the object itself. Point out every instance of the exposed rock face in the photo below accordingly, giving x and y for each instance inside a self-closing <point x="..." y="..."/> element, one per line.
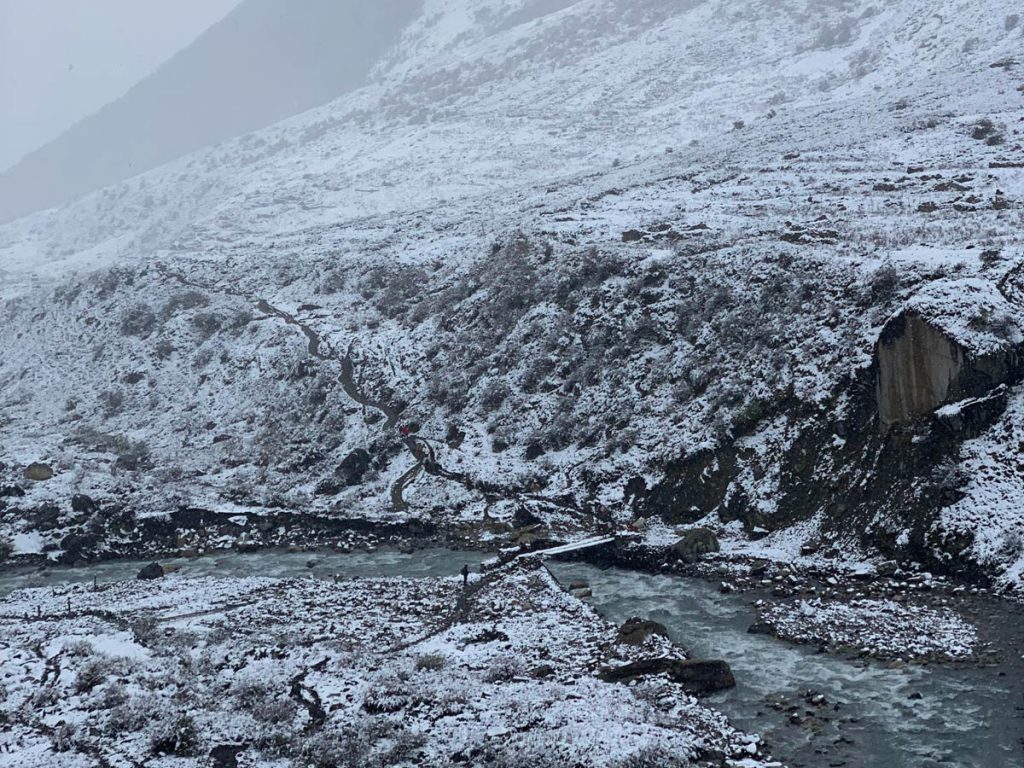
<point x="918" y="367"/>
<point x="696" y="543"/>
<point x="636" y="631"/>
<point x="695" y="675"/>
<point x="921" y="368"/>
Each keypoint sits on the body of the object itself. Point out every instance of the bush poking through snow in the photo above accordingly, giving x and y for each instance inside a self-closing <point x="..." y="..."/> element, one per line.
<point x="6" y="549"/>
<point x="431" y="662"/>
<point x="503" y="669"/>
<point x="175" y="734"/>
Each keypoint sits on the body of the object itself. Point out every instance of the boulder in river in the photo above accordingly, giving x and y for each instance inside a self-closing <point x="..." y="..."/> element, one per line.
<point x="695" y="543"/>
<point x="637" y="631"/>
<point x="697" y="676"/>
<point x="151" y="572"/>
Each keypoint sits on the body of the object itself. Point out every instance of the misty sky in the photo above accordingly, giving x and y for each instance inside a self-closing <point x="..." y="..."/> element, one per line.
<point x="61" y="60"/>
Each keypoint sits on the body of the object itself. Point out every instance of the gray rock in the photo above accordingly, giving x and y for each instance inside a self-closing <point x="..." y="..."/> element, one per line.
<point x="38" y="472"/>
<point x="542" y="671"/>
<point x="695" y="543"/>
<point x="83" y="504"/>
<point x="637" y="631"/>
<point x="888" y="568"/>
<point x="697" y="676"/>
<point x="225" y="756"/>
<point x="151" y="572"/>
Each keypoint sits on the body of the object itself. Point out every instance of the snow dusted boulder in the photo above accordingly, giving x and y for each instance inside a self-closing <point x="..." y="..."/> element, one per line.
<point x="151" y="572"/>
<point x="958" y="339"/>
<point x="695" y="543"/>
<point x="637" y="631"/>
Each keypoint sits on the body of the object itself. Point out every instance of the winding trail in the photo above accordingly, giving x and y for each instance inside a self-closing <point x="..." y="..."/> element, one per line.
<point x="1011" y="285"/>
<point x="418" y="447"/>
<point x="348" y="383"/>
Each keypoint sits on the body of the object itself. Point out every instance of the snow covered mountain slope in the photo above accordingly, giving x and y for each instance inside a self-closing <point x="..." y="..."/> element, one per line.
<point x="604" y="259"/>
<point x="262" y="63"/>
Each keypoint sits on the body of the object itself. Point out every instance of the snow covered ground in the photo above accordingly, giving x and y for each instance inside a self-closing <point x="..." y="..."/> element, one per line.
<point x="582" y="246"/>
<point x="362" y="672"/>
<point x="880" y="628"/>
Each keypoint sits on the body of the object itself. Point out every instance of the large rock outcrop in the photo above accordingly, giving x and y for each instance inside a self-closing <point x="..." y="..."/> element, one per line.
<point x="918" y="368"/>
<point x="933" y="353"/>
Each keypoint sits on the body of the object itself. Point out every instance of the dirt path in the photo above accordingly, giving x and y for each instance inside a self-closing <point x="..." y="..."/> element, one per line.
<point x="1011" y="285"/>
<point x="419" y="448"/>
<point x="398" y="502"/>
<point x="348" y="383"/>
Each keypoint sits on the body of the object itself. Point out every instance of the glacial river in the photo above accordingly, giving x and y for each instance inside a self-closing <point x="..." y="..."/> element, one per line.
<point x="887" y="716"/>
<point x="876" y="716"/>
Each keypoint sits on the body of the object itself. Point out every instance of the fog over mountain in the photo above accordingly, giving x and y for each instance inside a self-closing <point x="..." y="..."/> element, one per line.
<point x="262" y="63"/>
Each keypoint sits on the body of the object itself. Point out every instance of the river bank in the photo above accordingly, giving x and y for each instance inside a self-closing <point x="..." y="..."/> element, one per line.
<point x="397" y="670"/>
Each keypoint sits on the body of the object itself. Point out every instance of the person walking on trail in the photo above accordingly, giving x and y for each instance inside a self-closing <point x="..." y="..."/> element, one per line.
<point x="465" y="575"/>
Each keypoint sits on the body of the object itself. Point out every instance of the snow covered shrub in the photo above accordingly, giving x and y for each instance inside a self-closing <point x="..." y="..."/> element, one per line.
<point x="64" y="737"/>
<point x="947" y="479"/>
<point x="1012" y="547"/>
<point x="138" y="320"/>
<point x="136" y="457"/>
<point x="163" y="349"/>
<point x="113" y="695"/>
<point x="493" y="394"/>
<point x="504" y="668"/>
<point x="431" y="662"/>
<point x="112" y="402"/>
<point x="206" y="324"/>
<point x="987" y="131"/>
<point x="92" y="673"/>
<point x="388" y="692"/>
<point x="837" y="35"/>
<point x="883" y="284"/>
<point x="368" y="743"/>
<point x="182" y="301"/>
<point x="266" y="700"/>
<point x="175" y="734"/>
<point x="145" y="631"/>
<point x="6" y="548"/>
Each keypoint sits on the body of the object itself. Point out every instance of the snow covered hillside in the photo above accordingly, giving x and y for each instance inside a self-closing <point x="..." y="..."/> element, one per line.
<point x="600" y="259"/>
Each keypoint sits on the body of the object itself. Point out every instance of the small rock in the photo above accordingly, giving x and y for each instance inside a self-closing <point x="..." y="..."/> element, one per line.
<point x="38" y="473"/>
<point x="541" y="672"/>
